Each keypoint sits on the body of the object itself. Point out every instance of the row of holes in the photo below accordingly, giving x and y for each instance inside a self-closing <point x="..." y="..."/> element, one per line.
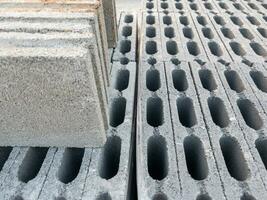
<point x="125" y="45"/>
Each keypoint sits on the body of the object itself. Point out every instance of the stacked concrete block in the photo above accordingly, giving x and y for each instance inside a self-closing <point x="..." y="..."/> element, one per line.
<point x="54" y="75"/>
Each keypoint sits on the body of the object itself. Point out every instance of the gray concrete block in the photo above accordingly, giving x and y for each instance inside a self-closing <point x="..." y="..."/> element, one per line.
<point x="35" y="94"/>
<point x="157" y="173"/>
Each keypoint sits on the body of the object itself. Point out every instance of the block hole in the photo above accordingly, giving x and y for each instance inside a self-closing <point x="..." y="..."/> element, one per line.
<point x="250" y="114"/>
<point x="238" y="6"/>
<point x="167" y="20"/>
<point x="151" y="32"/>
<point x="175" y="61"/>
<point x="193" y="48"/>
<point x="60" y="198"/>
<point x="203" y="197"/>
<point x="246" y="33"/>
<point x="234" y="158"/>
<point x="186" y="112"/>
<point x="127" y="31"/>
<point x="196" y="162"/>
<point x="258" y="49"/>
<point x="253" y="6"/>
<point x="150" y="19"/>
<point x="179" y="6"/>
<point x="70" y="164"/>
<point x="4" y="154"/>
<point x="263" y="32"/>
<point x="150" y="5"/>
<point x="193" y="6"/>
<point x="151" y="47"/>
<point x="160" y="196"/>
<point x="124" y="61"/>
<point x="202" y="20"/>
<point x="188" y="33"/>
<point x="104" y="196"/>
<point x="207" y="80"/>
<point x="110" y="158"/>
<point x="234" y="80"/>
<point x="154" y="111"/>
<point x="227" y="33"/>
<point x="151" y="61"/>
<point x="125" y="46"/>
<point x="265" y="18"/>
<point x="207" y="32"/>
<point x="153" y="80"/>
<point x="208" y="6"/>
<point x="236" y="21"/>
<point x="264" y="5"/>
<point x="18" y="198"/>
<point x="247" y="197"/>
<point x="32" y="163"/>
<point x="172" y="47"/>
<point x="157" y="157"/>
<point x="218" y="112"/>
<point x="215" y="48"/>
<point x="223" y="5"/>
<point x="219" y="20"/>
<point x="259" y="79"/>
<point x="237" y="48"/>
<point x="179" y="80"/>
<point x="128" y="19"/>
<point x="261" y="145"/>
<point x="253" y="20"/>
<point x="164" y="5"/>
<point x="122" y="79"/>
<point x="184" y="20"/>
<point x="117" y="111"/>
<point x="169" y="32"/>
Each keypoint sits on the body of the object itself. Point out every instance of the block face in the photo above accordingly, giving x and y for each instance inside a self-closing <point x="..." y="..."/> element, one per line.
<point x="50" y="98"/>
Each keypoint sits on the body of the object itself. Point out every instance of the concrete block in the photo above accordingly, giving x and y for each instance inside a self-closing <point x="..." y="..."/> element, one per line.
<point x="56" y="87"/>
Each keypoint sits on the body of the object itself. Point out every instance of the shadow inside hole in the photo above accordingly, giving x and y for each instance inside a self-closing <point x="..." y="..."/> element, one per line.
<point x="238" y="6"/>
<point x="184" y="20"/>
<point x="122" y="79"/>
<point x="218" y="112"/>
<point x="264" y="5"/>
<point x="193" y="6"/>
<point x="127" y="31"/>
<point x="160" y="196"/>
<point x="202" y="20"/>
<point x="125" y="46"/>
<point x="128" y="19"/>
<point x="236" y="21"/>
<point x="253" y="6"/>
<point x="223" y="5"/>
<point x="261" y="145"/>
<point x="207" y="32"/>
<point x="246" y="33"/>
<point x="179" y="6"/>
<point x="203" y="197"/>
<point x="167" y="20"/>
<point x="151" y="61"/>
<point x="234" y="80"/>
<point x="237" y="48"/>
<point x="208" y="6"/>
<point x="164" y="5"/>
<point x="60" y="198"/>
<point x="151" y="32"/>
<point x="186" y="112"/>
<point x="263" y="32"/>
<point x="154" y="111"/>
<point x="157" y="157"/>
<point x="192" y="48"/>
<point x="234" y="158"/>
<point x="179" y="79"/>
<point x="227" y="33"/>
<point x="70" y="164"/>
<point x="215" y="48"/>
<point x="153" y="80"/>
<point x="258" y="49"/>
<point x="4" y="154"/>
<point x="104" y="196"/>
<point x="150" y="19"/>
<point x="151" y="47"/>
<point x="169" y="32"/>
<point x="250" y="114"/>
<point x="207" y="80"/>
<point x="110" y="158"/>
<point x="32" y="163"/>
<point x="124" y="61"/>
<point x="219" y="20"/>
<point x="149" y="5"/>
<point x="172" y="47"/>
<point x="18" y="198"/>
<point x="259" y="79"/>
<point x="253" y="20"/>
<point x="117" y="111"/>
<point x="188" y="33"/>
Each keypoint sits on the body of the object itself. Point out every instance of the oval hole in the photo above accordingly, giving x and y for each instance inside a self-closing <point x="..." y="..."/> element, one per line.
<point x="193" y="48"/>
<point x="203" y="197"/>
<point x="223" y="5"/>
<point x="164" y="5"/>
<point x="227" y="33"/>
<point x="184" y="20"/>
<point x="253" y="20"/>
<point x="236" y="21"/>
<point x="246" y="33"/>
<point x="253" y="6"/>
<point x="215" y="48"/>
<point x="202" y="20"/>
<point x="157" y="157"/>
<point x="250" y="113"/>
<point x="122" y="79"/>
<point x="110" y="158"/>
<point x="151" y="47"/>
<point x="167" y="20"/>
<point x="234" y="158"/>
<point x="125" y="46"/>
<point x="258" y="49"/>
<point x="127" y="31"/>
<point x="169" y="32"/>
<point x="128" y="19"/>
<point x="208" y="6"/>
<point x="150" y="5"/>
<point x="117" y="111"/>
<point x="104" y="196"/>
<point x="179" y="6"/>
<point x="4" y="154"/>
<point x="151" y="32"/>
<point x="172" y="48"/>
<point x="238" y="6"/>
<point x="207" y="79"/>
<point x="150" y="19"/>
<point x="261" y="145"/>
<point x="237" y="48"/>
<point x="70" y="164"/>
<point x="153" y="80"/>
<point x="263" y="32"/>
<point x="186" y="112"/>
<point x="218" y="112"/>
<point x="196" y="162"/>
<point x="207" y="32"/>
<point x="188" y="33"/>
<point x="32" y="163"/>
<point x="193" y="6"/>
<point x="154" y="111"/>
<point x="234" y="80"/>
<point x="179" y="80"/>
<point x="219" y="20"/>
<point x="259" y="79"/>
